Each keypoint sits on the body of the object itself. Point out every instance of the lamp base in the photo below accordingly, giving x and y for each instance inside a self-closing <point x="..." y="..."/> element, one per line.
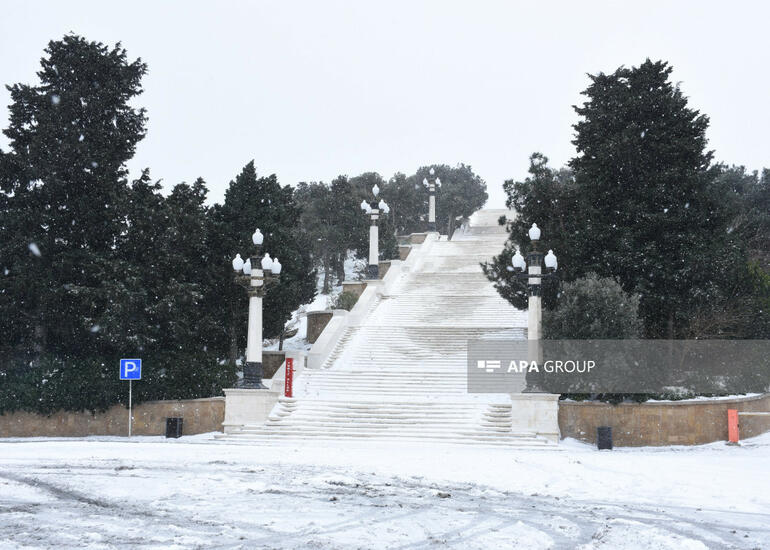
<point x="373" y="271"/>
<point x="252" y="376"/>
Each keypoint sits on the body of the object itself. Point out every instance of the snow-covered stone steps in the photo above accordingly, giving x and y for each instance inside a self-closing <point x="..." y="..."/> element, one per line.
<point x="401" y="375"/>
<point x="519" y="442"/>
<point x="469" y="250"/>
<point x="392" y="383"/>
<point x="452" y="264"/>
<point x="469" y="311"/>
<point x="289" y="404"/>
<point x="441" y="284"/>
<point x="434" y="336"/>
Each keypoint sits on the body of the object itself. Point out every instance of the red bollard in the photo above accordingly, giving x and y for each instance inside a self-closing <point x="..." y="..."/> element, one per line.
<point x="289" y="386"/>
<point x="732" y="426"/>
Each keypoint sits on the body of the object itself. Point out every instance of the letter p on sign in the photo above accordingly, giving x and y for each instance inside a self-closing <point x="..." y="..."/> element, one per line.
<point x="130" y="369"/>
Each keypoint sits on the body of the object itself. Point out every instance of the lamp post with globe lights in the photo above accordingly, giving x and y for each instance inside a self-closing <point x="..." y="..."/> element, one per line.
<point x="531" y="270"/>
<point x="374" y="210"/>
<point x="432" y="184"/>
<point x="258" y="273"/>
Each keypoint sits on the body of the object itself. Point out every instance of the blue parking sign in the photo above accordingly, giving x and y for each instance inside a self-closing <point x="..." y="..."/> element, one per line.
<point x="130" y="369"/>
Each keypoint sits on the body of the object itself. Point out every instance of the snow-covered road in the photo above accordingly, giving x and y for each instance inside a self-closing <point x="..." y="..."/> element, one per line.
<point x="193" y="493"/>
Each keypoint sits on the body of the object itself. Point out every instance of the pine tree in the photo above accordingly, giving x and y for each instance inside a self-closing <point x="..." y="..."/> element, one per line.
<point x="408" y="201"/>
<point x="645" y="208"/>
<point x="64" y="181"/>
<point x="654" y="215"/>
<point x="462" y="192"/>
<point x="317" y="221"/>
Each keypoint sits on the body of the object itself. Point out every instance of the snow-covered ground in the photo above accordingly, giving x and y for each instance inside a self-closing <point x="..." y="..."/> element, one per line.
<point x="149" y="492"/>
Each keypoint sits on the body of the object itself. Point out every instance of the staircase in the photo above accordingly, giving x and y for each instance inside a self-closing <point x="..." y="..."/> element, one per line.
<point x="400" y="372"/>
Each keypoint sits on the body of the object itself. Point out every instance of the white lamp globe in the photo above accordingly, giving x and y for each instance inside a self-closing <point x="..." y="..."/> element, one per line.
<point x="364" y="206"/>
<point x="425" y="181"/>
<point x="438" y="182"/>
<point x="550" y="260"/>
<point x="432" y="172"/>
<point x="257" y="237"/>
<point x="534" y="232"/>
<point x="518" y="261"/>
<point x="247" y="267"/>
<point x="267" y="262"/>
<point x="277" y="266"/>
<point x="375" y="190"/>
<point x="237" y="262"/>
<point x="382" y="205"/>
<point x="387" y="208"/>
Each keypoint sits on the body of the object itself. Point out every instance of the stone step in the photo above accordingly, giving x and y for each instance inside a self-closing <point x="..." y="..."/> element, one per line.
<point x="403" y="406"/>
<point x="492" y="440"/>
<point x="401" y="375"/>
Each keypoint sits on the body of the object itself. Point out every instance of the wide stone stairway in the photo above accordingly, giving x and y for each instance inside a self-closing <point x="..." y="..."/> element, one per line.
<point x="398" y="369"/>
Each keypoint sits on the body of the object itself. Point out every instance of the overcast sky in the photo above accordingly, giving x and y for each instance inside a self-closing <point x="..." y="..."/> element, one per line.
<point x="310" y="90"/>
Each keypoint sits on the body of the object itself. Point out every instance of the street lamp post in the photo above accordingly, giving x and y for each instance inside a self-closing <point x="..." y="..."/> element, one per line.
<point x="432" y="184"/>
<point x="374" y="210"/>
<point x="534" y="275"/>
<point x="259" y="272"/>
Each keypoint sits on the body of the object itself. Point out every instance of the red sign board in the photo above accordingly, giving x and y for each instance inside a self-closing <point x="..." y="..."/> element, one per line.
<point x="732" y="425"/>
<point x="289" y="377"/>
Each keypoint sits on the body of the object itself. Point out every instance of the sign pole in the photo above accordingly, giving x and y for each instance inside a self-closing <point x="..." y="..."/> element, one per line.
<point x="130" y="382"/>
<point x="130" y="369"/>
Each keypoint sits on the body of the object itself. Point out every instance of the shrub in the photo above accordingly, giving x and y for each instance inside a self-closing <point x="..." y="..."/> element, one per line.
<point x="344" y="300"/>
<point x="593" y="308"/>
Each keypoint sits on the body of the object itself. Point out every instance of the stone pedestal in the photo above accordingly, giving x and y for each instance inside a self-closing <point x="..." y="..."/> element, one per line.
<point x="536" y="413"/>
<point x="247" y="407"/>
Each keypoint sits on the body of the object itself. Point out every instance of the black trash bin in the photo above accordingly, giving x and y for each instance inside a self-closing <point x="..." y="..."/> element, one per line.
<point x="174" y="427"/>
<point x="604" y="437"/>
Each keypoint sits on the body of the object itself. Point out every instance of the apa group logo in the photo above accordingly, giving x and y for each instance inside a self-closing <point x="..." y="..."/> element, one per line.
<point x="551" y="367"/>
<point x="489" y="366"/>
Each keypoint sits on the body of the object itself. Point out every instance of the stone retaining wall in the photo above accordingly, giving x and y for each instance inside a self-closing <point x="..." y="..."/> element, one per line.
<point x="633" y="424"/>
<point x="384" y="266"/>
<point x="199" y="416"/>
<point x="271" y="362"/>
<point x="662" y="423"/>
<point x="316" y="322"/>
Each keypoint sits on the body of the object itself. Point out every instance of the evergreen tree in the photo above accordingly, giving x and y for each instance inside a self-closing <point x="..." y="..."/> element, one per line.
<point x="654" y="217"/>
<point x="64" y="194"/>
<point x="462" y="192"/>
<point x="550" y="198"/>
<point x="318" y="224"/>
<point x="408" y="201"/>
<point x="333" y="219"/>
<point x="646" y="207"/>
